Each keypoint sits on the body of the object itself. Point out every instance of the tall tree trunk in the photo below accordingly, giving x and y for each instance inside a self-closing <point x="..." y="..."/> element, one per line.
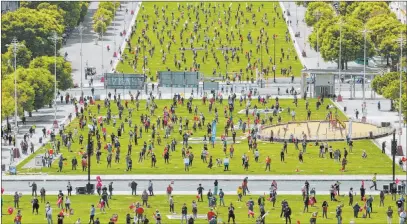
<point x="392" y="105"/>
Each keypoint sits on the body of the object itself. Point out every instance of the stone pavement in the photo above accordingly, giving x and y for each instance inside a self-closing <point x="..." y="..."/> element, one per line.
<point x="199" y="177"/>
<point x="92" y="52"/>
<point x="375" y="116"/>
<point x="41" y="118"/>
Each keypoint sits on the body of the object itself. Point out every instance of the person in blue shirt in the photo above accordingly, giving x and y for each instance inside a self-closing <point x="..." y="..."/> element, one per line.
<point x="92" y="214"/>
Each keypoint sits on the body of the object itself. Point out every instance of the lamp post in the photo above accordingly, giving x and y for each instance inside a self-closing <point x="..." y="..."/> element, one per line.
<point x="274" y="59"/>
<point x="101" y="40"/>
<point x="340" y="23"/>
<point x="317" y="14"/>
<point x="15" y="45"/>
<point x="364" y="31"/>
<point x="401" y="40"/>
<point x="114" y="27"/>
<point x="81" y="28"/>
<point x="55" y="39"/>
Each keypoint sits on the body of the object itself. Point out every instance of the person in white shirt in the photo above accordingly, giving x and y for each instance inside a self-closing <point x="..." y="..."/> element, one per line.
<point x="78" y="221"/>
<point x="48" y="213"/>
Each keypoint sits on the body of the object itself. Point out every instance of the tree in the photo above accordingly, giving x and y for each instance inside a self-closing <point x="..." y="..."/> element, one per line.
<point x="103" y="15"/>
<point x="385" y="32"/>
<point x="366" y="10"/>
<point x="25" y="96"/>
<point x="84" y="10"/>
<point x="352" y="40"/>
<point x="100" y="27"/>
<point x="324" y="8"/>
<point x="73" y="12"/>
<point x="388" y="85"/>
<point x="23" y="59"/>
<point x="41" y="81"/>
<point x="32" y="26"/>
<point x="53" y="10"/>
<point x="64" y="69"/>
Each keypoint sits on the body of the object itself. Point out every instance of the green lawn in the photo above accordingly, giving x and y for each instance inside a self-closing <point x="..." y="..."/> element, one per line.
<point x="120" y="206"/>
<point x="376" y="162"/>
<point x="155" y="62"/>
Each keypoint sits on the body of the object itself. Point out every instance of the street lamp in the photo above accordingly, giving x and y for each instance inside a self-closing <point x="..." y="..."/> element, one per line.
<point x="401" y="40"/>
<point x="340" y="23"/>
<point x="15" y="45"/>
<point x="81" y="28"/>
<point x="114" y="27"/>
<point x="55" y="39"/>
<point x="101" y="40"/>
<point x="274" y="60"/>
<point x="364" y="31"/>
<point x="317" y="14"/>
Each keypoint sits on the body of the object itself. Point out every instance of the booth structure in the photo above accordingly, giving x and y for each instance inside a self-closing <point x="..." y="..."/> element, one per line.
<point x="322" y="82"/>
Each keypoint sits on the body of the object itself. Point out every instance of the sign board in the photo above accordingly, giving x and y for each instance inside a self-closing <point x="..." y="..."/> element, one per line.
<point x="178" y="79"/>
<point x="211" y="86"/>
<point x="38" y="161"/>
<point x="124" y="81"/>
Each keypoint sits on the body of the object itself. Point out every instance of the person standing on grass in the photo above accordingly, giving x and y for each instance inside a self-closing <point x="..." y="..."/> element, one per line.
<point x="231" y="213"/>
<point x="287" y="214"/>
<point x="306" y="203"/>
<point x="92" y="214"/>
<point x="144" y="198"/>
<point x="171" y="204"/>
<point x="33" y="188"/>
<point x="381" y="198"/>
<point x="169" y="191"/>
<point x="389" y="214"/>
<point x="184" y="212"/>
<point x="200" y="190"/>
<point x="356" y="210"/>
<point x="325" y="209"/>
<point x="48" y="214"/>
<point x="351" y="196"/>
<point x="35" y="205"/>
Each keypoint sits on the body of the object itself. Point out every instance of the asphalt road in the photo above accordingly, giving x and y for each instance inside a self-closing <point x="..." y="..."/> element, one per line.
<point x="190" y="186"/>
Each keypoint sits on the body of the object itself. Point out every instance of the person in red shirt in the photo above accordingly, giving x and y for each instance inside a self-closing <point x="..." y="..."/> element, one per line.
<point x="211" y="214"/>
<point x="169" y="191"/>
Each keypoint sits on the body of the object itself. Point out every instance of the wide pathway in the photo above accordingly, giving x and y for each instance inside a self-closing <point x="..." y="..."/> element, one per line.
<point x="93" y="55"/>
<point x="376" y="116"/>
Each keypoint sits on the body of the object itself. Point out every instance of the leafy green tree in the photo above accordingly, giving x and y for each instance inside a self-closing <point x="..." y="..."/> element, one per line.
<point x="32" y="26"/>
<point x="53" y="10"/>
<point x="64" y="69"/>
<point x="41" y="81"/>
<point x="73" y="12"/>
<point x="23" y="59"/>
<point x="100" y="27"/>
<point x="385" y="32"/>
<point x="366" y="10"/>
<point x="25" y="95"/>
<point x="325" y="10"/>
<point x="352" y="40"/>
<point x="388" y="85"/>
<point x="84" y="10"/>
<point x="104" y="15"/>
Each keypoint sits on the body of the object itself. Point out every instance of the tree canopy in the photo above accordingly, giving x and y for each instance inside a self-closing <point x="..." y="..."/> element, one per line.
<point x="388" y="85"/>
<point x="32" y="26"/>
<point x="64" y="69"/>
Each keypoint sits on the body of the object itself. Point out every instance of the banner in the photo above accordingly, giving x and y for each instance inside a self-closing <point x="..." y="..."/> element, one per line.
<point x="213" y="131"/>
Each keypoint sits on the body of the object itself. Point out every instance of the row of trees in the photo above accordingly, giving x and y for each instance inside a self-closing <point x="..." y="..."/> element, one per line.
<point x="383" y="25"/>
<point x="104" y="16"/>
<point x="388" y="85"/>
<point x="33" y="24"/>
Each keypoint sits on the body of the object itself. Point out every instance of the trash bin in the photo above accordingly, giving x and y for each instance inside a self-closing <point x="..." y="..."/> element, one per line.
<point x="371" y="134"/>
<point x="344" y="109"/>
<point x="13" y="170"/>
<point x="40" y="140"/>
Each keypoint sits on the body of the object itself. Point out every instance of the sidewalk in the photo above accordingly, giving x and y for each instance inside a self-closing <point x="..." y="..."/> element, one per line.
<point x="375" y="116"/>
<point x="93" y="55"/>
<point x="42" y="118"/>
<point x="175" y="192"/>
<point x="186" y="177"/>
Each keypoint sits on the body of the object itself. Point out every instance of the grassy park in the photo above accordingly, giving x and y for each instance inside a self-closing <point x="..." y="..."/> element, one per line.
<point x="312" y="164"/>
<point x="216" y="29"/>
<point x="120" y="206"/>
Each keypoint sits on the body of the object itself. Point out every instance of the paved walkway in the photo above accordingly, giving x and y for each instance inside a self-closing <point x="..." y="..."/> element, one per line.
<point x="169" y="177"/>
<point x="375" y="116"/>
<point x="93" y="55"/>
<point x="42" y="118"/>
